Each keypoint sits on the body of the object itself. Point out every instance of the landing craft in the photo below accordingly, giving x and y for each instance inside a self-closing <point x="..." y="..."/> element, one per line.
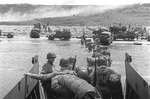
<point x="137" y="87"/>
<point x="28" y="88"/>
<point x="36" y="30"/>
<point x="35" y="33"/>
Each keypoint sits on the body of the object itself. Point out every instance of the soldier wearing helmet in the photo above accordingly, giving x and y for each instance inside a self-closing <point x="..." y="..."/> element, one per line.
<point x="65" y="64"/>
<point x="48" y="68"/>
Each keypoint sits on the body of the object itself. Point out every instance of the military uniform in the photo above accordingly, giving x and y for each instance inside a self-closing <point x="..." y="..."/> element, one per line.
<point x="48" y="68"/>
<point x="101" y="81"/>
<point x="108" y="82"/>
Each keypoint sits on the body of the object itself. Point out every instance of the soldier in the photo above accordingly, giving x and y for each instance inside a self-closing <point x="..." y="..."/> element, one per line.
<point x="48" y="68"/>
<point x="72" y="61"/>
<point x="65" y="64"/>
<point x="90" y="46"/>
<point x="107" y="82"/>
<point x="68" y="64"/>
<point x="66" y="84"/>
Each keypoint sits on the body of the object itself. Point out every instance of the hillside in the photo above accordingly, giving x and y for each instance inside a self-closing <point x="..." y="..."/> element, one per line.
<point x="129" y="14"/>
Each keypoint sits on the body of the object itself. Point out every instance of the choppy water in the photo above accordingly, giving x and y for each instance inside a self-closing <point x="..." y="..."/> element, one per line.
<point x="16" y="54"/>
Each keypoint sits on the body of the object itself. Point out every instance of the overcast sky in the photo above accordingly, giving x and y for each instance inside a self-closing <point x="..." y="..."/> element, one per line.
<point x="75" y="2"/>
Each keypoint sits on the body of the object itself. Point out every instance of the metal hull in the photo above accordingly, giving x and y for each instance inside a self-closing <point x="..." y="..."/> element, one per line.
<point x="136" y="86"/>
<point x="26" y="88"/>
<point x="35" y="33"/>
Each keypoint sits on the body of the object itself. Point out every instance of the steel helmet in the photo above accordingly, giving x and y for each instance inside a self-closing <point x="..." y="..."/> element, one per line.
<point x="72" y="60"/>
<point x="51" y="55"/>
<point x="64" y="62"/>
<point x="83" y="74"/>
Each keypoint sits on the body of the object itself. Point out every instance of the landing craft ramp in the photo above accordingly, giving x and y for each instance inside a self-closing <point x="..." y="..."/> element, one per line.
<point x="26" y="88"/>
<point x="137" y="87"/>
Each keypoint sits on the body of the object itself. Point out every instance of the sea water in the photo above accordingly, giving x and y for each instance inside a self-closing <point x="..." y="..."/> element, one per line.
<point x="16" y="55"/>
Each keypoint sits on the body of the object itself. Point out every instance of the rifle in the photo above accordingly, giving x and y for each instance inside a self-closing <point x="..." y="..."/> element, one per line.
<point x="74" y="63"/>
<point x="95" y="78"/>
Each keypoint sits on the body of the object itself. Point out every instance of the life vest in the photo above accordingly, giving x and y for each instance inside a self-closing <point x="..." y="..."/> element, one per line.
<point x="75" y="84"/>
<point x="60" y="89"/>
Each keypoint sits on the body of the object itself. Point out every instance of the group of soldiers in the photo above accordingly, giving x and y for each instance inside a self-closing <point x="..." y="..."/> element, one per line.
<point x="64" y="84"/>
<point x="88" y="42"/>
<point x="99" y="80"/>
<point x="101" y="75"/>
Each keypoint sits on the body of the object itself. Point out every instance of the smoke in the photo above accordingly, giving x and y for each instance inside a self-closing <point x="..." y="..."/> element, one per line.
<point x="53" y="11"/>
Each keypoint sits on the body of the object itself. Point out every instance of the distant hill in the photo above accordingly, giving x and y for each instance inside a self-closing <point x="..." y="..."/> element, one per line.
<point x="129" y="14"/>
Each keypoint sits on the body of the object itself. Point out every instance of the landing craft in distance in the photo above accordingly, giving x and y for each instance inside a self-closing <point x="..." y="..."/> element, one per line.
<point x="36" y="30"/>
